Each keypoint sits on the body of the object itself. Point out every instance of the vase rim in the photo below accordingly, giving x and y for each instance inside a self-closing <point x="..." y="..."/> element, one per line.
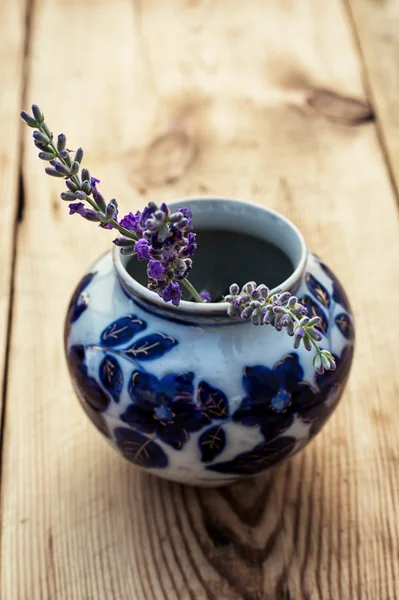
<point x="223" y="206"/>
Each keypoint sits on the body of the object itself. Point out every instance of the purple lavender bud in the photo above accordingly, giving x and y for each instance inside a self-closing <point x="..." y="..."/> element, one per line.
<point x="69" y="196"/>
<point x="176" y="217"/>
<point x="244" y="298"/>
<point x="172" y="293"/>
<point x="53" y="172"/>
<point x="122" y="242"/>
<point x="246" y="313"/>
<point x="80" y="195"/>
<point x="164" y="208"/>
<point x="149" y="211"/>
<point x="79" y="157"/>
<point x="64" y="154"/>
<point x="187" y="214"/>
<point x="152" y="225"/>
<point x="111" y="209"/>
<point x="60" y="168"/>
<point x="299" y="310"/>
<point x="298" y="336"/>
<point x="159" y="215"/>
<point x="284" y="297"/>
<point x="285" y="320"/>
<point x="304" y="321"/>
<point x="182" y="224"/>
<point x="307" y="343"/>
<point x="143" y="249"/>
<point x="317" y="363"/>
<point x="278" y="309"/>
<point x="46" y="155"/>
<point x="234" y="289"/>
<point x="314" y="321"/>
<point x="75" y="167"/>
<point x="37" y="113"/>
<point x="205" y="295"/>
<point x="264" y="290"/>
<point x="47" y="130"/>
<point x="233" y="312"/>
<point x="155" y="269"/>
<point x="290" y="328"/>
<point x="237" y="301"/>
<point x="315" y="334"/>
<point x="256" y="319"/>
<point x="61" y="142"/>
<point x="248" y="287"/>
<point x="86" y="187"/>
<point x="327" y="360"/>
<point x="86" y="177"/>
<point x="40" y="145"/>
<point x="229" y="298"/>
<point x="28" y="119"/>
<point x="99" y="199"/>
<point x="71" y="185"/>
<point x="254" y="304"/>
<point x="255" y="294"/>
<point x="41" y="138"/>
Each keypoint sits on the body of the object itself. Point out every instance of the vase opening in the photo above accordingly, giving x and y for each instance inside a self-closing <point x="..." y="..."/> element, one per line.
<point x="237" y="242"/>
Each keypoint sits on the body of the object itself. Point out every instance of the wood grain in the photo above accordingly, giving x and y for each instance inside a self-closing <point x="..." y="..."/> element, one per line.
<point x="12" y="26"/>
<point x="375" y="25"/>
<point x="181" y="98"/>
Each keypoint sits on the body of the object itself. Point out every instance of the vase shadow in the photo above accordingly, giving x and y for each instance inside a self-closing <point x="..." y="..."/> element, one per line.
<point x="250" y="540"/>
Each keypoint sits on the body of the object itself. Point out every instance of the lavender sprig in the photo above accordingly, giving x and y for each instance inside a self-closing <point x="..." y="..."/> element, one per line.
<point x="80" y="185"/>
<point x="281" y="310"/>
<point x="154" y="235"/>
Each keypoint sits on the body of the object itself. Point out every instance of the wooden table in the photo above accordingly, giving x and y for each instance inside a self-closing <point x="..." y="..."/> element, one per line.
<point x="291" y="103"/>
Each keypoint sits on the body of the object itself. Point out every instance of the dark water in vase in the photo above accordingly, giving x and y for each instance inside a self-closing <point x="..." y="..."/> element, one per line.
<point x="224" y="257"/>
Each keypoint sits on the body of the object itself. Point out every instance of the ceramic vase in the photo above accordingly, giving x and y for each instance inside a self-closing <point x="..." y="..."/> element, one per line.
<point x="187" y="393"/>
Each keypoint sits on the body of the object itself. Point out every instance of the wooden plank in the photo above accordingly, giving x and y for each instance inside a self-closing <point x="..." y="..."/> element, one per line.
<point x="376" y="28"/>
<point x="267" y="104"/>
<point x="12" y="25"/>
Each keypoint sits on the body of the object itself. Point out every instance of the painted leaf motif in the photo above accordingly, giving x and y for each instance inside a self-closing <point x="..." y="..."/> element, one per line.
<point x="318" y="290"/>
<point x="315" y="310"/>
<point x="97" y="418"/>
<point x="212" y="443"/>
<point x="150" y="347"/>
<point x="111" y="376"/>
<point x="80" y="299"/>
<point x="122" y="330"/>
<point x="339" y="296"/>
<point x="344" y="324"/>
<point x="87" y="386"/>
<point x="255" y="461"/>
<point x="327" y="270"/>
<point x="139" y="449"/>
<point x="213" y="400"/>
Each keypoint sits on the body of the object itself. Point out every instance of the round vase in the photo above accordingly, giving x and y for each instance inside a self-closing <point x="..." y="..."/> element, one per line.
<point x="186" y="392"/>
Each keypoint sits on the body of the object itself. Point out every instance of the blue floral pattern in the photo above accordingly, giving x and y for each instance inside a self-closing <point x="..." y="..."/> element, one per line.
<point x="275" y="396"/>
<point x="164" y="407"/>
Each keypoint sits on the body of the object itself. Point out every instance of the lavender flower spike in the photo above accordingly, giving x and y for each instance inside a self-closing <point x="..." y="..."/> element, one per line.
<point x="281" y="310"/>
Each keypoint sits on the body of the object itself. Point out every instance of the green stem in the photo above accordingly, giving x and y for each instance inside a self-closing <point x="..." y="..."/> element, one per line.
<point x="190" y="288"/>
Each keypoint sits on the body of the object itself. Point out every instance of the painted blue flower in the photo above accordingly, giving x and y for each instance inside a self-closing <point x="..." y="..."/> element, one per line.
<point x="164" y="407"/>
<point x="275" y="396"/>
